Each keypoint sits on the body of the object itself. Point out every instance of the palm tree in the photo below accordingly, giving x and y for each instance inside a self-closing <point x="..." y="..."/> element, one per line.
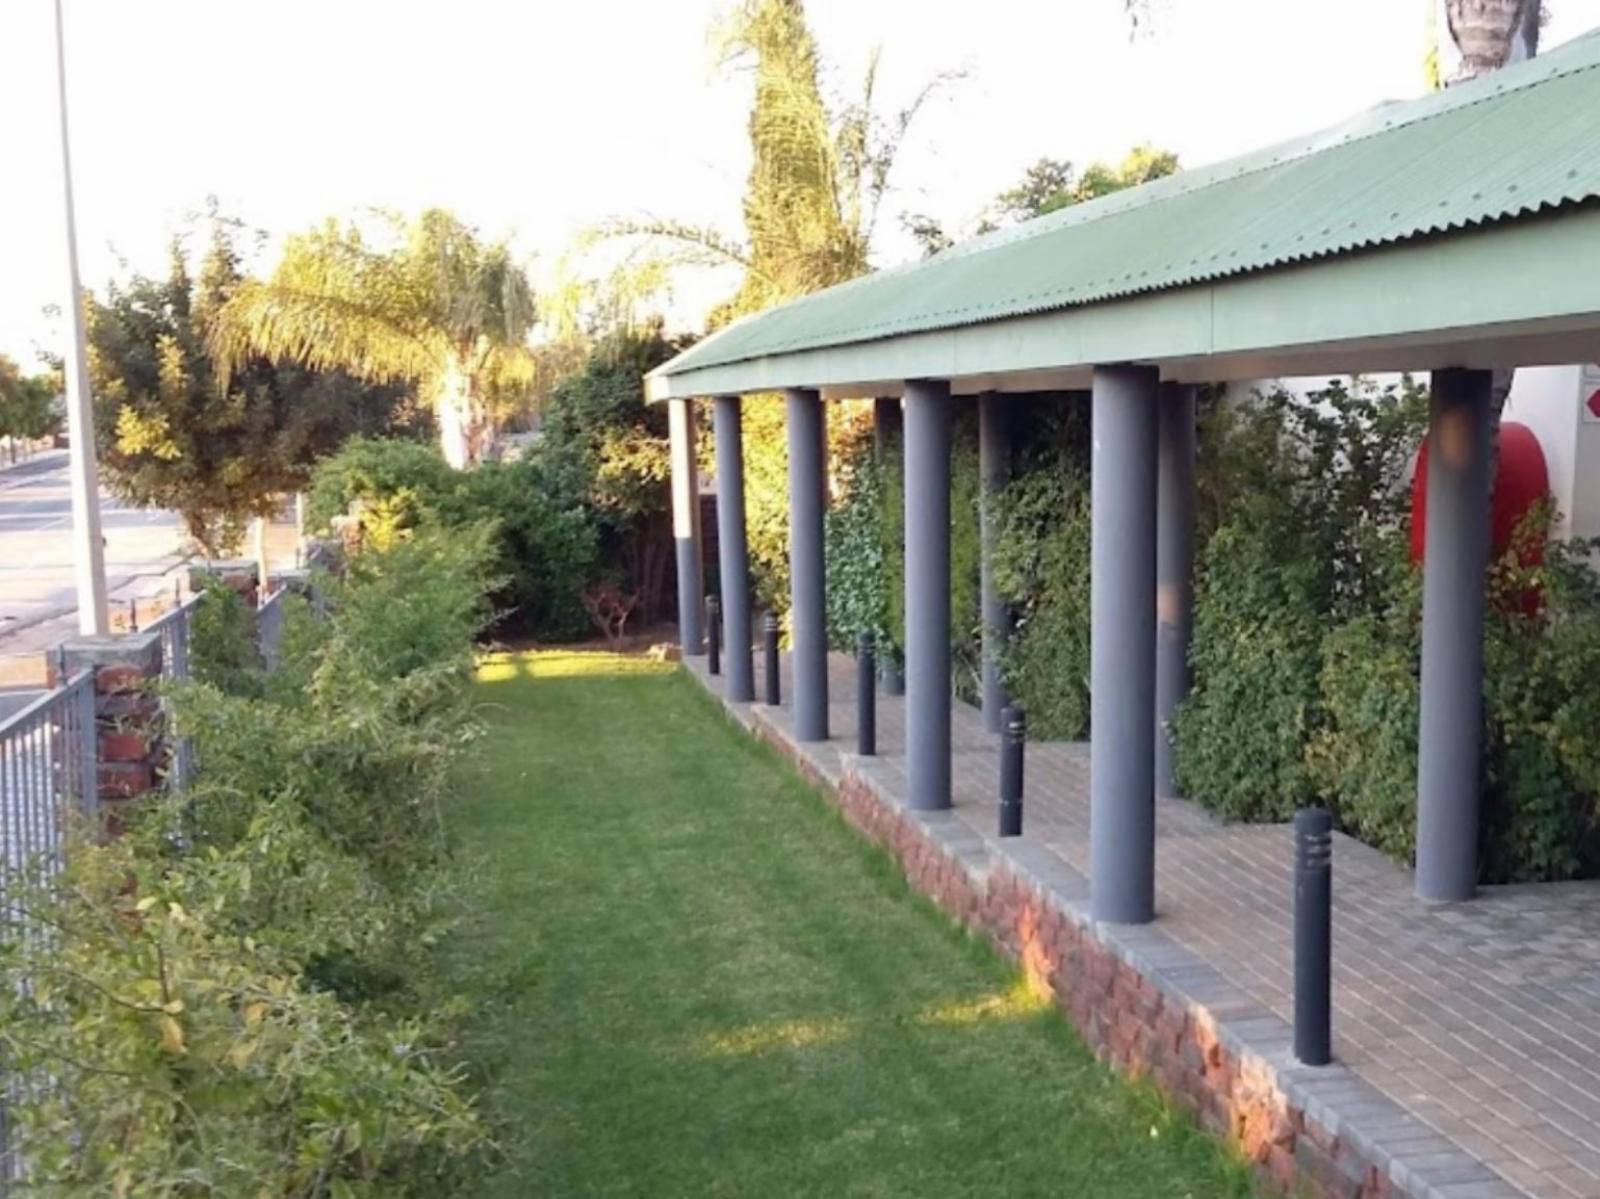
<point x="438" y="308"/>
<point x="1490" y="34"/>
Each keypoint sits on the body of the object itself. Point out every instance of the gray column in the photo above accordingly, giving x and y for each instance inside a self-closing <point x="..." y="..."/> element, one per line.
<point x="1122" y="645"/>
<point x="994" y="472"/>
<point x="807" y="610"/>
<point x="1174" y="568"/>
<point x="927" y="447"/>
<point x="1455" y="559"/>
<point x="686" y="523"/>
<point x="887" y="440"/>
<point x="732" y="548"/>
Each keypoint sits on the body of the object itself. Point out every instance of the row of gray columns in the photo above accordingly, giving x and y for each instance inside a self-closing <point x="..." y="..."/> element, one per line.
<point x="1142" y="548"/>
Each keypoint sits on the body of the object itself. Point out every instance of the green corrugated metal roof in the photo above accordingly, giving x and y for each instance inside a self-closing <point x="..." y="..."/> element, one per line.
<point x="1521" y="140"/>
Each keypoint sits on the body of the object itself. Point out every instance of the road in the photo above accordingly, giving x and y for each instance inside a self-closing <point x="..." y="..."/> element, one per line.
<point x="38" y="595"/>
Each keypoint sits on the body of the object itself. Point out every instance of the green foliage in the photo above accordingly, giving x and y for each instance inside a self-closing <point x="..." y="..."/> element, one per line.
<point x="224" y="648"/>
<point x="234" y="996"/>
<point x="1298" y="490"/>
<point x="857" y="592"/>
<point x="1541" y="815"/>
<point x="1042" y="570"/>
<point x="428" y="303"/>
<point x="28" y="409"/>
<point x="545" y="541"/>
<point x="1364" y="758"/>
<point x="866" y="558"/>
<point x="171" y="435"/>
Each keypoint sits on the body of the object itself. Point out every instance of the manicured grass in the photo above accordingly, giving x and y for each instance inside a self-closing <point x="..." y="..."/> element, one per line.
<point x="690" y="978"/>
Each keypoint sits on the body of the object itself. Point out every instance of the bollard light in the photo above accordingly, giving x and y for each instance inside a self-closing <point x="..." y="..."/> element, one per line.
<point x="713" y="635"/>
<point x="1313" y="936"/>
<point x="866" y="697"/>
<point x="769" y="637"/>
<point x="1013" y="739"/>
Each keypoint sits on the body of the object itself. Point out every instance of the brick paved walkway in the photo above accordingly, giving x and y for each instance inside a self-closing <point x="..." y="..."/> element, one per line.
<point x="1481" y="1019"/>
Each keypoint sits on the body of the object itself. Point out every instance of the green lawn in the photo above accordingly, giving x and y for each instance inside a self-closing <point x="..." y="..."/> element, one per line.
<point x="690" y="978"/>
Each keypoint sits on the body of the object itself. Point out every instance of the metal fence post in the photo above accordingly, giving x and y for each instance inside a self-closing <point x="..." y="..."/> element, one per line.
<point x="866" y="697"/>
<point x="769" y="635"/>
<point x="1013" y="740"/>
<point x="1313" y="935"/>
<point x="713" y="635"/>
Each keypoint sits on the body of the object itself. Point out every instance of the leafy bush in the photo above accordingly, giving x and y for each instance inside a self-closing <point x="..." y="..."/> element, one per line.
<point x="1297" y="491"/>
<point x="224" y="644"/>
<point x="865" y="552"/>
<point x="545" y="549"/>
<point x="247" y="965"/>
<point x="1541" y="817"/>
<point x="1042" y="570"/>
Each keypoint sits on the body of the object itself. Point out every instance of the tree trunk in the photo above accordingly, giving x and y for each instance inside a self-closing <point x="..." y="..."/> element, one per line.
<point x="1490" y="34"/>
<point x="451" y="407"/>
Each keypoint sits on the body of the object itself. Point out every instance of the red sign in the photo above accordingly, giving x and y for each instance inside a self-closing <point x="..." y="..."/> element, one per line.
<point x="1593" y="404"/>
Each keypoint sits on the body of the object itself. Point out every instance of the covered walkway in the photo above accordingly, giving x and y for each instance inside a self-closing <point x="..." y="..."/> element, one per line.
<point x="1466" y="1036"/>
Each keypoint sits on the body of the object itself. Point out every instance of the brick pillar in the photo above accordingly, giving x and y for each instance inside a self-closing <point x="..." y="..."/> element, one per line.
<point x="130" y="751"/>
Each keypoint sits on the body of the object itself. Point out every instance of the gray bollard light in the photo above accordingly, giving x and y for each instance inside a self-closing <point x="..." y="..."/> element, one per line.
<point x="866" y="697"/>
<point x="713" y="635"/>
<point x="1013" y="739"/>
<point x="1313" y="936"/>
<point x="133" y="615"/>
<point x="769" y="635"/>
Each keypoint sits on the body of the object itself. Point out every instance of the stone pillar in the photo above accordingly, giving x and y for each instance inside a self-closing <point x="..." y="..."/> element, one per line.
<point x="927" y="441"/>
<point x="1174" y="568"/>
<point x="888" y="437"/>
<point x="1455" y="561"/>
<point x="238" y="575"/>
<point x="1122" y="645"/>
<point x="130" y="747"/>
<point x="807" y="600"/>
<point x="994" y="471"/>
<point x="733" y="548"/>
<point x="686" y="524"/>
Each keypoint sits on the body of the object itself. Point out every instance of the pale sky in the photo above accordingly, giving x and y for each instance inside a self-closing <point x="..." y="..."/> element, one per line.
<point x="537" y="118"/>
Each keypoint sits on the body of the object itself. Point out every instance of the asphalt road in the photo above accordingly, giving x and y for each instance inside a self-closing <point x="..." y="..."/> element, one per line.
<point x="37" y="584"/>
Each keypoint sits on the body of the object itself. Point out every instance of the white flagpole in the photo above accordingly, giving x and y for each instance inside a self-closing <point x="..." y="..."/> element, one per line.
<point x="88" y="546"/>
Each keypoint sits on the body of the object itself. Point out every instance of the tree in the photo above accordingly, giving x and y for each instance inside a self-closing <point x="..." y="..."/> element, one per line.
<point x="1487" y="35"/>
<point x="607" y="449"/>
<point x="28" y="408"/>
<point x="437" y="307"/>
<point x="1047" y="186"/>
<point x="174" y="432"/>
<point x="818" y="177"/>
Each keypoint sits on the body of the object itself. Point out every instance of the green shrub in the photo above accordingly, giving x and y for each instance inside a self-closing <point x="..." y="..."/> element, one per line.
<point x="1296" y="492"/>
<point x="247" y="966"/>
<point x="224" y="644"/>
<point x="1042" y="569"/>
<point x="1363" y="759"/>
<point x="1541" y="816"/>
<point x="410" y="478"/>
<point x="545" y="547"/>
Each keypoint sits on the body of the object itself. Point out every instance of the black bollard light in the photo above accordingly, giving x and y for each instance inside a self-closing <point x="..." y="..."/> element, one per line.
<point x="1313" y="935"/>
<point x="133" y="615"/>
<point x="713" y="635"/>
<point x="866" y="697"/>
<point x="1013" y="737"/>
<point x="769" y="635"/>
